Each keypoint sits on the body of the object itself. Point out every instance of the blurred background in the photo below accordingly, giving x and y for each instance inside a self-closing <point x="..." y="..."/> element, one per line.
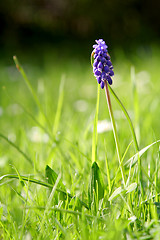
<point x="53" y="41"/>
<point x="37" y="24"/>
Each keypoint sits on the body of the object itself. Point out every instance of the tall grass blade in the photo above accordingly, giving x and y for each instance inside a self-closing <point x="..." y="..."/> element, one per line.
<point x="139" y="175"/>
<point x="76" y="213"/>
<point x="123" y="157"/>
<point x="36" y="121"/>
<point x="114" y="132"/>
<point x="34" y="95"/>
<point x="48" y="205"/>
<point x="17" y="148"/>
<point x="108" y="172"/>
<point x="42" y="183"/>
<point x="94" y="137"/>
<point x="59" y="107"/>
<point x="134" y="159"/>
<point x="127" y="116"/>
<point x="135" y="101"/>
<point x="29" y="114"/>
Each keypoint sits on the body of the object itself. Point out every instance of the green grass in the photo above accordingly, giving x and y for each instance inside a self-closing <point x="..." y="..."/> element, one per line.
<point x="50" y="185"/>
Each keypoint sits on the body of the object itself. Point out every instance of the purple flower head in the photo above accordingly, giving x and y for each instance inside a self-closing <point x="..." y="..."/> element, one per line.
<point x="102" y="66"/>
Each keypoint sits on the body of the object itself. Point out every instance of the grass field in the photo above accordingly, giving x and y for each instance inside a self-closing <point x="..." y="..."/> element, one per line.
<point x="50" y="188"/>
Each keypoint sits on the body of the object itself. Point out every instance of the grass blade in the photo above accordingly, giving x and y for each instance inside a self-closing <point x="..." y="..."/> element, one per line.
<point x="34" y="95"/>
<point x="17" y="148"/>
<point x="48" y="205"/>
<point x="115" y="132"/>
<point x="76" y="213"/>
<point x="116" y="193"/>
<point x="127" y="116"/>
<point x="42" y="183"/>
<point x="135" y="101"/>
<point x="59" y="107"/>
<point x="94" y="137"/>
<point x="134" y="159"/>
<point x="131" y="187"/>
<point x="108" y="172"/>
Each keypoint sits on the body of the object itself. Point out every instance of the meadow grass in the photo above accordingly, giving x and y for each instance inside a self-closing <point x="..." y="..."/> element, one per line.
<point x="59" y="177"/>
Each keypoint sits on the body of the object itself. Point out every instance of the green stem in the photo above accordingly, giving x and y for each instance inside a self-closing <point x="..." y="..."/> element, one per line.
<point x="95" y="136"/>
<point x="114" y="130"/>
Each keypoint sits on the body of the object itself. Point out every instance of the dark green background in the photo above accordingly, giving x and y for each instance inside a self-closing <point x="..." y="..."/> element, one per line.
<point x="27" y="22"/>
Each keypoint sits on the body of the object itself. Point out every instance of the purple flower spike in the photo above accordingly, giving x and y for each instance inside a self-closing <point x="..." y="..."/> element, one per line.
<point x="102" y="66"/>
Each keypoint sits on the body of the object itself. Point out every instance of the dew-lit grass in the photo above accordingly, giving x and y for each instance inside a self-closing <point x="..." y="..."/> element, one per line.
<point x="38" y="203"/>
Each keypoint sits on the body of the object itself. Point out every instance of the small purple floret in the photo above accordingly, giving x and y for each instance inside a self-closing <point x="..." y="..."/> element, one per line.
<point x="106" y="69"/>
<point x="102" y="84"/>
<point x="109" y="79"/>
<point x="99" y="79"/>
<point x="102" y="66"/>
<point x="97" y="72"/>
<point x="111" y="73"/>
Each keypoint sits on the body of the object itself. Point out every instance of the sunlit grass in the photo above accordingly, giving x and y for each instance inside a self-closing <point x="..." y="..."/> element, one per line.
<point x="67" y="93"/>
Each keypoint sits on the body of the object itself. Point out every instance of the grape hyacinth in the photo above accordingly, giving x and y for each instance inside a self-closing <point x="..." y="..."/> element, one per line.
<point x="102" y="66"/>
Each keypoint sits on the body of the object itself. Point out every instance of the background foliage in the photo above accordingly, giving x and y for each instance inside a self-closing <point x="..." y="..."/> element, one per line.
<point x="120" y="22"/>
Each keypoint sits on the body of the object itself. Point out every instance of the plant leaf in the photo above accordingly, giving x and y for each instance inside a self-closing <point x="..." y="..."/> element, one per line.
<point x="131" y="187"/>
<point x="96" y="185"/>
<point x="52" y="176"/>
<point x="115" y="193"/>
<point x="140" y="153"/>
